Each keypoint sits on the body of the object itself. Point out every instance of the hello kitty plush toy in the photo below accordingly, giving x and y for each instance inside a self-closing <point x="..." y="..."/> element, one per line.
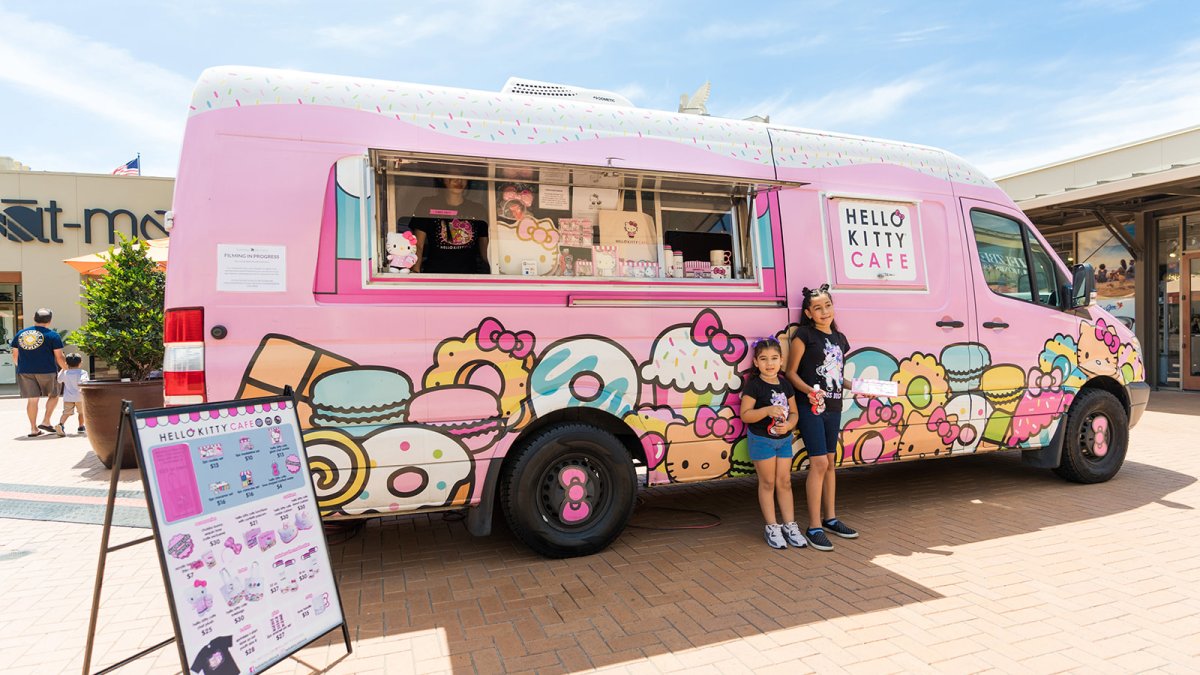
<point x="401" y="251"/>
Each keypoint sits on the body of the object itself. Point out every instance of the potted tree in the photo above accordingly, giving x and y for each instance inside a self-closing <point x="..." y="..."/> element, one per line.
<point x="124" y="327"/>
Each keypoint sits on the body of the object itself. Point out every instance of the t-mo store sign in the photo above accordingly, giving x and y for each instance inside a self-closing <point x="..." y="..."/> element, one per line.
<point x="25" y="221"/>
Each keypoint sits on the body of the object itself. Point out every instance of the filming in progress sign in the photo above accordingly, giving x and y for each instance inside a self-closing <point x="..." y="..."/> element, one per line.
<point x="235" y="516"/>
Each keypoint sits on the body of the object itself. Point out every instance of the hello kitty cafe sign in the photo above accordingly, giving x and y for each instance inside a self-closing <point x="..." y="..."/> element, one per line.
<point x="876" y="239"/>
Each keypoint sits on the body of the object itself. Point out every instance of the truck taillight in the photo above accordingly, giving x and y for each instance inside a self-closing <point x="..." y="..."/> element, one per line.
<point x="183" y="358"/>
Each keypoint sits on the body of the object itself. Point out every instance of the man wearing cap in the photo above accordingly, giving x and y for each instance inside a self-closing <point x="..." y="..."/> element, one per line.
<point x="37" y="352"/>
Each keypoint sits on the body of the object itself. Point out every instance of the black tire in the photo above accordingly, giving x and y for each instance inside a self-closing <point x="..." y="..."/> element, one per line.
<point x="538" y="503"/>
<point x="1080" y="462"/>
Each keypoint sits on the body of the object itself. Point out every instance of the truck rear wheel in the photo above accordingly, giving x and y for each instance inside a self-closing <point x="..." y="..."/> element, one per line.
<point x="569" y="491"/>
<point x="1096" y="438"/>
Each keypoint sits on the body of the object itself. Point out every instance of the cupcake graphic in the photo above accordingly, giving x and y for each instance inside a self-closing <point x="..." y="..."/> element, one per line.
<point x="695" y="364"/>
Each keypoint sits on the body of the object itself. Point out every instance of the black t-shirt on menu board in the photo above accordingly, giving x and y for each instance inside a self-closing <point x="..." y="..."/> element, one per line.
<point x="215" y="659"/>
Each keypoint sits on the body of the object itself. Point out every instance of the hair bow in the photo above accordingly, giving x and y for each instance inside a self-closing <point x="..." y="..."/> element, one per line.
<point x="1108" y="335"/>
<point x="879" y="412"/>
<point x="199" y="583"/>
<point x="1039" y="382"/>
<point x="945" y="426"/>
<point x="707" y="331"/>
<point x="540" y="232"/>
<point x="524" y="194"/>
<point x="809" y="292"/>
<point x="709" y="423"/>
<point x="493" y="336"/>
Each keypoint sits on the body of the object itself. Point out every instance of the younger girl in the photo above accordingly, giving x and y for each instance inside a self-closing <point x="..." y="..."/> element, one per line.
<point x="769" y="411"/>
<point x="815" y="360"/>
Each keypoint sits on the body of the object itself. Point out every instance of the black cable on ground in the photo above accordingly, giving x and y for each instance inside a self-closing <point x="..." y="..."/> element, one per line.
<point x="716" y="520"/>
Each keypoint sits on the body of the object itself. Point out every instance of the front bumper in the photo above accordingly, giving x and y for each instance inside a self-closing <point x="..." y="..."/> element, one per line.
<point x="1139" y="396"/>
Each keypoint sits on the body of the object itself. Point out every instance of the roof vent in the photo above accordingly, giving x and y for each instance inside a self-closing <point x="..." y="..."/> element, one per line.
<point x="516" y="85"/>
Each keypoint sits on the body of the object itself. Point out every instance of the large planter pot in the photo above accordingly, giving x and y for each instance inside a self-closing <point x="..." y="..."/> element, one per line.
<point x="102" y="412"/>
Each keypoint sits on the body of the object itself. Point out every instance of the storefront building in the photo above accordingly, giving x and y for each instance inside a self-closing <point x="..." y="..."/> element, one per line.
<point x="46" y="218"/>
<point x="1133" y="212"/>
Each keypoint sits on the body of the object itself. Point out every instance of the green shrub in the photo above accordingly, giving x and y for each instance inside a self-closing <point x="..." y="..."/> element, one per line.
<point x="124" y="325"/>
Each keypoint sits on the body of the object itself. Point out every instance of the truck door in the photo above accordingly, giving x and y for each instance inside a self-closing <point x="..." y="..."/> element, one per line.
<point x="1019" y="286"/>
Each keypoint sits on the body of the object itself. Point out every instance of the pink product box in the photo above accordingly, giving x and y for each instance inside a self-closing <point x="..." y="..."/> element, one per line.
<point x="583" y="268"/>
<point x="697" y="269"/>
<point x="639" y="269"/>
<point x="575" y="232"/>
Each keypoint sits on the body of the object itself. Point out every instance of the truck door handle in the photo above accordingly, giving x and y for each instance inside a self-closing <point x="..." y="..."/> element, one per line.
<point x="949" y="323"/>
<point x="994" y="324"/>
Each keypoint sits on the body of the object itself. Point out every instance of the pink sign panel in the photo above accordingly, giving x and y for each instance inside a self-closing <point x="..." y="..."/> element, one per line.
<point x="177" y="482"/>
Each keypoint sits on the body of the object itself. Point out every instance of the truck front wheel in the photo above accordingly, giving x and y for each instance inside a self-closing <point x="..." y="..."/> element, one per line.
<point x="1096" y="438"/>
<point x="569" y="491"/>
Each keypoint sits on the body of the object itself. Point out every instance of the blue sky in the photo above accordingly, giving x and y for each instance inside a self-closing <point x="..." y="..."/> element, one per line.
<point x="1008" y="86"/>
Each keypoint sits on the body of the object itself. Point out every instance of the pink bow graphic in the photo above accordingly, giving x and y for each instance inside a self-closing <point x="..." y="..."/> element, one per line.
<point x="525" y="195"/>
<point x="493" y="336"/>
<point x="888" y="414"/>
<point x="1039" y="382"/>
<point x="707" y="331"/>
<point x="944" y="426"/>
<point x="709" y="423"/>
<point x="529" y="229"/>
<point x="1108" y="335"/>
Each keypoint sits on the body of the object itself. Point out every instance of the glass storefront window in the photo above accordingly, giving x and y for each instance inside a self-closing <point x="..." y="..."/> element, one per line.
<point x="1191" y="233"/>
<point x="1167" y="331"/>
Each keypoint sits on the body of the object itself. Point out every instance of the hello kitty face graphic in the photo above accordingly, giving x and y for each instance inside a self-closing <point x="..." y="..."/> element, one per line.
<point x="631" y="228"/>
<point x="1098" y="348"/>
<point x="457" y="233"/>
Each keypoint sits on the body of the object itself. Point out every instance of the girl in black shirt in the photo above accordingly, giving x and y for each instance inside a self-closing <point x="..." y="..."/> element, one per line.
<point x="769" y="411"/>
<point x="815" y="359"/>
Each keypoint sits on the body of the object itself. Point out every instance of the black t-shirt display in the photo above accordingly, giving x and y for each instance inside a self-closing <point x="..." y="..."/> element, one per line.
<point x="452" y="234"/>
<point x="215" y="659"/>
<point x="821" y="365"/>
<point x="767" y="394"/>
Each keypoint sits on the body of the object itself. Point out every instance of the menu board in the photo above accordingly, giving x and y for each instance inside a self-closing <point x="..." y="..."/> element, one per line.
<point x="239" y="534"/>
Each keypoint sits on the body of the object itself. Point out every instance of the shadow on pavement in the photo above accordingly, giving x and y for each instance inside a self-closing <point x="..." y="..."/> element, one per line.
<point x="654" y="592"/>
<point x="1175" y="402"/>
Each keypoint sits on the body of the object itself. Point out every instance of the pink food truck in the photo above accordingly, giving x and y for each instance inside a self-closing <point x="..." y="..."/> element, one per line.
<point x="543" y="300"/>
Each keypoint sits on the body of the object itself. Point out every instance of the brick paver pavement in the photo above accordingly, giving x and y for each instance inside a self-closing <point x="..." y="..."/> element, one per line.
<point x="970" y="565"/>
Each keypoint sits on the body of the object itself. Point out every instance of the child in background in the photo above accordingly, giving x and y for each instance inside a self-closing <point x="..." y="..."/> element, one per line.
<point x="815" y="360"/>
<point x="70" y="379"/>
<point x="769" y="411"/>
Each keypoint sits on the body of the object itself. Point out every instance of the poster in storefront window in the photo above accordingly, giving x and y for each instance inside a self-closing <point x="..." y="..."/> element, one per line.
<point x="1115" y="271"/>
<point x="235" y="516"/>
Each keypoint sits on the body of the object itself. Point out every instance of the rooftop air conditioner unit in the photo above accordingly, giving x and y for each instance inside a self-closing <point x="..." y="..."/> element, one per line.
<point x="516" y="85"/>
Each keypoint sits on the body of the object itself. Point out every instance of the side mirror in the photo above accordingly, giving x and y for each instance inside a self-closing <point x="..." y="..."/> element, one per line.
<point x="1083" y="285"/>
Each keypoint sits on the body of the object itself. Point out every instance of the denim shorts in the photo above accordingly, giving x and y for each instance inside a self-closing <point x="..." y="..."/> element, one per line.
<point x="765" y="447"/>
<point x="820" y="432"/>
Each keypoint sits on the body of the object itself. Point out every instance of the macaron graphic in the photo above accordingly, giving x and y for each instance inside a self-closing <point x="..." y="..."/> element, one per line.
<point x="364" y="398"/>
<point x="965" y="364"/>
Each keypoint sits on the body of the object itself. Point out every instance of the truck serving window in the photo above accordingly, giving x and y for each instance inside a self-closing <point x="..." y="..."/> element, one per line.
<point x="440" y="217"/>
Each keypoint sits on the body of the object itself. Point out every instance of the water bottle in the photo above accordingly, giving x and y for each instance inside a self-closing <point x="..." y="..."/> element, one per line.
<point x="820" y="405"/>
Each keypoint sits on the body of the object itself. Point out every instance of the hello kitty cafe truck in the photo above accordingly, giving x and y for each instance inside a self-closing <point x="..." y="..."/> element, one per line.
<point x="634" y="256"/>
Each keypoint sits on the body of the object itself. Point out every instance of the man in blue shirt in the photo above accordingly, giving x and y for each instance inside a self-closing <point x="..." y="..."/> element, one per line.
<point x="37" y="352"/>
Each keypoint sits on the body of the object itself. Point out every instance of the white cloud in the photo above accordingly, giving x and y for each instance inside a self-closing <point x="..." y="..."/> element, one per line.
<point x="524" y="25"/>
<point x="918" y="35"/>
<point x="839" y="110"/>
<point x="105" y="81"/>
<point x="1124" y="108"/>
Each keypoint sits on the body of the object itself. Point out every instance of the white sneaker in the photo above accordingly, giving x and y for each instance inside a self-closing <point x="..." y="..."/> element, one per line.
<point x="775" y="537"/>
<point x="791" y="532"/>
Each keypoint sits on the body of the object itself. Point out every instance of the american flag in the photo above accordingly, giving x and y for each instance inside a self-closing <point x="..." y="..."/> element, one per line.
<point x="131" y="168"/>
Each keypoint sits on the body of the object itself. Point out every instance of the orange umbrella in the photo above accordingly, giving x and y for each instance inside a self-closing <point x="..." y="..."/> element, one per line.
<point x="92" y="264"/>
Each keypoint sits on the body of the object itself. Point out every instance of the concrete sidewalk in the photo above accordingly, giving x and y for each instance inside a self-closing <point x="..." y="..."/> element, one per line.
<point x="977" y="564"/>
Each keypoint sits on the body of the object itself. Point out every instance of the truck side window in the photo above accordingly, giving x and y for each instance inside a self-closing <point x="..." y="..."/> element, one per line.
<point x="1048" y="277"/>
<point x="1002" y="254"/>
